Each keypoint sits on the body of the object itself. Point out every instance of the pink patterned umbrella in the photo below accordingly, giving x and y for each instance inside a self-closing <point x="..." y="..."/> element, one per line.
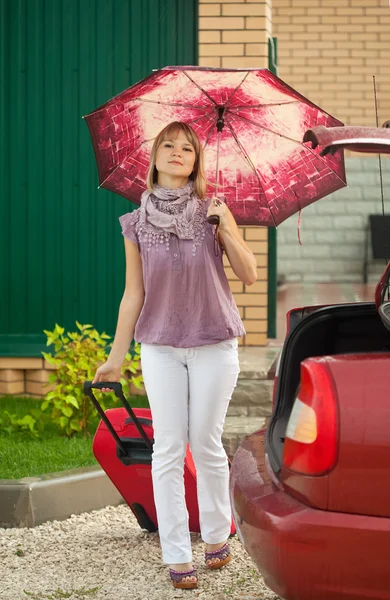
<point x="251" y="125"/>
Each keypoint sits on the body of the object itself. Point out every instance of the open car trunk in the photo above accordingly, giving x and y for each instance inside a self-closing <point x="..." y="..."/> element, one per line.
<point x="331" y="330"/>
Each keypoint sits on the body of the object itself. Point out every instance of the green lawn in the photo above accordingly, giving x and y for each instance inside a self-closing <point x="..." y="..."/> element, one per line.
<point x="21" y="456"/>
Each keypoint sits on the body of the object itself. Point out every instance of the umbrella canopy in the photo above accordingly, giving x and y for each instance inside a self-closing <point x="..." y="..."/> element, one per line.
<point x="251" y="125"/>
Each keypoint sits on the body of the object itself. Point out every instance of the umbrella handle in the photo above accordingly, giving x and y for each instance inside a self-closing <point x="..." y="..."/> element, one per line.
<point x="213" y="219"/>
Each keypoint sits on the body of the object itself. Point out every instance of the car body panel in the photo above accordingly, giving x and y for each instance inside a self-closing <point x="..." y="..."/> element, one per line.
<point x="360" y="483"/>
<point x="305" y="553"/>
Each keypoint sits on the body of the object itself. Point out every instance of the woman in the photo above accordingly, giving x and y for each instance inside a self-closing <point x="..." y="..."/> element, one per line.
<point x="178" y="304"/>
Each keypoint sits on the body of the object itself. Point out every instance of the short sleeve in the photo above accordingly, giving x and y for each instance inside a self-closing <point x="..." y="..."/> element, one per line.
<point x="128" y="223"/>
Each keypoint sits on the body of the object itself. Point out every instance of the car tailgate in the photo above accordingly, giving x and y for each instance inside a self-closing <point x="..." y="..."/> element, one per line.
<point x="360" y="483"/>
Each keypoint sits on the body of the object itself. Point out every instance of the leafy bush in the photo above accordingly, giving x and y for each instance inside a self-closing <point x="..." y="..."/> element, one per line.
<point x="76" y="358"/>
<point x="31" y="423"/>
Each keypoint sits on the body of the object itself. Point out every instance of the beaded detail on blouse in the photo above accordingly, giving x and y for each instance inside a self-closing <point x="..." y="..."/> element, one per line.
<point x="153" y="237"/>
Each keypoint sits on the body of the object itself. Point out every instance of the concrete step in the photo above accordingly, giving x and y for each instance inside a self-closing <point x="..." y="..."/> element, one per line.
<point x="251" y="402"/>
<point x="236" y="428"/>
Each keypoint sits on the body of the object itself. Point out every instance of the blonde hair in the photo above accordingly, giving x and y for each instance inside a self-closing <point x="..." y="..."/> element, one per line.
<point x="198" y="174"/>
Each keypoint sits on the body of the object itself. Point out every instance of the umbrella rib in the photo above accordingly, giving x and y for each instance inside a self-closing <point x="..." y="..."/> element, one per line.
<point x="121" y="163"/>
<point x="200" y="118"/>
<point x="266" y="129"/>
<point x="292" y="140"/>
<point x="247" y="157"/>
<point x="263" y="105"/>
<point x="234" y="91"/>
<point x="208" y="136"/>
<point x="201" y="89"/>
<point x="171" y="103"/>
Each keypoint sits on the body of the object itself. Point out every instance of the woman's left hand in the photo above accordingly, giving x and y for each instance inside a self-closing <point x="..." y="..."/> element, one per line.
<point x="218" y="207"/>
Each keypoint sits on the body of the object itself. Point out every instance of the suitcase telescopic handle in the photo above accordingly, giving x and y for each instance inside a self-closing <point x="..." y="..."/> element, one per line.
<point x="117" y="388"/>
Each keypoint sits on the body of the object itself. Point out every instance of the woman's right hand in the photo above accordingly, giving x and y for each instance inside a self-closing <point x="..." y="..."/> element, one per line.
<point x="107" y="372"/>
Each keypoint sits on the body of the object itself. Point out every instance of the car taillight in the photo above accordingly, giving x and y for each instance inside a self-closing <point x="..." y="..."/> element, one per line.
<point x="311" y="441"/>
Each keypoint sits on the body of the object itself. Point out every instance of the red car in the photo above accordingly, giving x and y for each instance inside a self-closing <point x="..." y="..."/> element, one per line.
<point x="311" y="493"/>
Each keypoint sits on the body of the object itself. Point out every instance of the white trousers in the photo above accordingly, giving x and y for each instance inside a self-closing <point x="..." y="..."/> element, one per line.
<point x="189" y="390"/>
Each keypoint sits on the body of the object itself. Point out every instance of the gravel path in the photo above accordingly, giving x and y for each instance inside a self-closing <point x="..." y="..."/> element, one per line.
<point x="105" y="555"/>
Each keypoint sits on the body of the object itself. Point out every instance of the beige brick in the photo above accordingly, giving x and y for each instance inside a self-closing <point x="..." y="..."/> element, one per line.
<point x="231" y="62"/>
<point x="367" y="3"/>
<point x="259" y="287"/>
<point x="300" y="44"/>
<point x="230" y="274"/>
<point x="349" y="45"/>
<point x="258" y="234"/>
<point x="325" y="62"/>
<point x="241" y="310"/>
<point x="252" y="36"/>
<point x="236" y="287"/>
<point x="256" y="339"/>
<point x="38" y="388"/>
<point x="356" y="77"/>
<point x="337" y="53"/>
<point x="209" y="10"/>
<point x="251" y="299"/>
<point x="221" y="23"/>
<point x="306" y="20"/>
<point x="48" y="366"/>
<point x="221" y="50"/>
<point x="20" y="363"/>
<point x="324" y="10"/>
<point x="10" y="375"/>
<point x="351" y="28"/>
<point x="247" y="10"/>
<point x="259" y="247"/>
<point x="11" y="387"/>
<point x="214" y="2"/>
<point x="308" y="53"/>
<point x="377" y="62"/>
<point x="254" y="23"/>
<point x="256" y="312"/>
<point x="40" y="375"/>
<point x="373" y="36"/>
<point x="262" y="260"/>
<point x="256" y="326"/>
<point x="350" y="11"/>
<point x="209" y="61"/>
<point x="379" y="12"/>
<point x="256" y="49"/>
<point x="262" y="273"/>
<point x="209" y="37"/>
<point x="290" y="28"/>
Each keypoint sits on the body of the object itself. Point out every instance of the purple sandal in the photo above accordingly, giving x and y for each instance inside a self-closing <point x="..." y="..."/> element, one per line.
<point x="178" y="576"/>
<point x="223" y="555"/>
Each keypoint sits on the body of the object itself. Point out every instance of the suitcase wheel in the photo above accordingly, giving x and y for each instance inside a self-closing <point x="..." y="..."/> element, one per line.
<point x="143" y="518"/>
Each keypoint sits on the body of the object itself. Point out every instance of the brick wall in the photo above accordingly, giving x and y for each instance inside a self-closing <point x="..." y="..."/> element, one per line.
<point x="329" y="51"/>
<point x="234" y="34"/>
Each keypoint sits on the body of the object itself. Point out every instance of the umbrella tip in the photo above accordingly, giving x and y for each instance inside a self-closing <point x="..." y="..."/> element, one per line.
<point x="98" y="187"/>
<point x="83" y="117"/>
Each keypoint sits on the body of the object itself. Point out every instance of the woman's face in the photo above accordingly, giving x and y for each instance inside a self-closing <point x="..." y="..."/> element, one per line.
<point x="175" y="159"/>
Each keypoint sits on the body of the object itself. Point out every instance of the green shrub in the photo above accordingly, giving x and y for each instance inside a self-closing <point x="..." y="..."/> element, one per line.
<point x="76" y="357"/>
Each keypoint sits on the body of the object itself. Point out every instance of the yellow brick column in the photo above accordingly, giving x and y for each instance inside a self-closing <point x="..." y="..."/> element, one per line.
<point x="234" y="34"/>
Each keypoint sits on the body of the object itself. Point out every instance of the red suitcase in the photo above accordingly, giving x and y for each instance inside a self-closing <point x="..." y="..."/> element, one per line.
<point x="122" y="445"/>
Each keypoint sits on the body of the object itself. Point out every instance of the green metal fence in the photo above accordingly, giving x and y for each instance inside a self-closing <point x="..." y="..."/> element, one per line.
<point x="61" y="251"/>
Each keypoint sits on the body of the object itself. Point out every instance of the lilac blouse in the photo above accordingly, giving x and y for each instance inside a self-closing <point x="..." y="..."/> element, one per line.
<point x="188" y="301"/>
